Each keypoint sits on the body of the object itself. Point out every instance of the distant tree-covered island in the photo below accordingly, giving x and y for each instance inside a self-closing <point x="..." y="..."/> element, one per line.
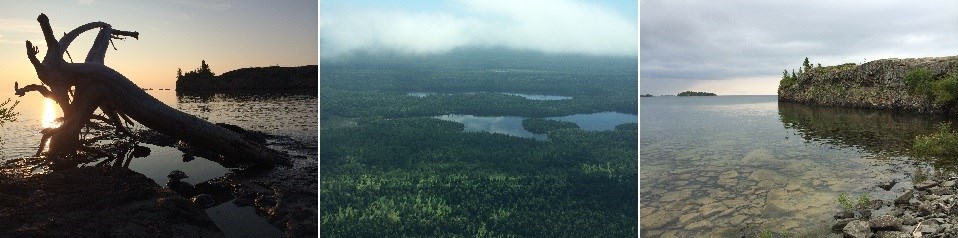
<point x="248" y="79"/>
<point x="690" y="93"/>
<point x="646" y="95"/>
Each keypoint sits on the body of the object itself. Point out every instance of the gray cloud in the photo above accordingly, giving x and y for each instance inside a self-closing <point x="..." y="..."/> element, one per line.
<point x="687" y="41"/>
<point x="562" y="26"/>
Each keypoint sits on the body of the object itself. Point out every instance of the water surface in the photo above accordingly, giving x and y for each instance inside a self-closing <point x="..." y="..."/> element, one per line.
<point x="285" y="114"/>
<point x="512" y="125"/>
<point x="718" y="166"/>
<point x="526" y="96"/>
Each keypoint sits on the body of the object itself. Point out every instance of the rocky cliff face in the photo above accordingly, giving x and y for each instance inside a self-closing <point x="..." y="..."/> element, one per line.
<point x="878" y="84"/>
<point x="258" y="79"/>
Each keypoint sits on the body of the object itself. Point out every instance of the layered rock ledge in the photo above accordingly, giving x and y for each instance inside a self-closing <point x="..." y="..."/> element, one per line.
<point x="878" y="84"/>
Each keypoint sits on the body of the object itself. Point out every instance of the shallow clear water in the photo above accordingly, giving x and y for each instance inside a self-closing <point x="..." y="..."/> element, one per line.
<point x="287" y="114"/>
<point x="721" y="166"/>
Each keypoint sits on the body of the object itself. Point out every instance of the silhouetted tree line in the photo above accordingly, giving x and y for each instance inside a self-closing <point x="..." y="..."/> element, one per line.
<point x="690" y="93"/>
<point x="203" y="72"/>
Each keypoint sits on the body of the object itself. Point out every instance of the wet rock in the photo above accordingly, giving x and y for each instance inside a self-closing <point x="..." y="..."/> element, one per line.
<point x="97" y="202"/>
<point x="844" y="214"/>
<point x="930" y="228"/>
<point x="876" y="204"/>
<point x="840" y="224"/>
<point x="857" y="229"/>
<point x="925" y="209"/>
<point x="908" y="220"/>
<point x="203" y="200"/>
<point x="949" y="183"/>
<point x="183" y="188"/>
<point x="885" y="223"/>
<point x="953" y="210"/>
<point x="887" y="185"/>
<point x="904" y="198"/>
<point x="265" y="200"/>
<point x="892" y="234"/>
<point x="925" y="185"/>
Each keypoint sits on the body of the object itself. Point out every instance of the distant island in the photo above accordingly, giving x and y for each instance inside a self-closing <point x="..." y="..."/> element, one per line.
<point x="646" y="95"/>
<point x="249" y="79"/>
<point x="690" y="93"/>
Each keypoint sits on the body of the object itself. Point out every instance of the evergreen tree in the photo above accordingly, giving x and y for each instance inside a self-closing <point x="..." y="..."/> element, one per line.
<point x="785" y="74"/>
<point x="179" y="73"/>
<point x="793" y="74"/>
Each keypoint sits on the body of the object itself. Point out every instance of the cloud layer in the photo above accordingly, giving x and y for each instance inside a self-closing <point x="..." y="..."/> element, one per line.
<point x="684" y="43"/>
<point x="561" y="26"/>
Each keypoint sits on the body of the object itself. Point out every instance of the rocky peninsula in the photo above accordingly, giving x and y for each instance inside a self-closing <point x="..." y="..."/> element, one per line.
<point x="924" y="85"/>
<point x="273" y="78"/>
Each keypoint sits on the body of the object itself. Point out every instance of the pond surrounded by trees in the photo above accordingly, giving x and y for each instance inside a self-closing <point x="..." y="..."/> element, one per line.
<point x="512" y="125"/>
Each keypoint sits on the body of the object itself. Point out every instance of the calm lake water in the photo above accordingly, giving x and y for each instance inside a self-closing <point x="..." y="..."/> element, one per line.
<point x="511" y="125"/>
<point x="289" y="114"/>
<point x="526" y="96"/>
<point x="727" y="165"/>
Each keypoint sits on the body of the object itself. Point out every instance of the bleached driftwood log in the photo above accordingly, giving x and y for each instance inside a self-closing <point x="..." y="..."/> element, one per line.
<point x="97" y="86"/>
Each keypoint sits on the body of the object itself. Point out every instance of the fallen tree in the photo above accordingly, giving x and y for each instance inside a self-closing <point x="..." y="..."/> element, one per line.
<point x="81" y="88"/>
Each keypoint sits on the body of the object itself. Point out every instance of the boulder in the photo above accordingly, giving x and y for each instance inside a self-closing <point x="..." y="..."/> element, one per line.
<point x="885" y="223"/>
<point x="857" y="229"/>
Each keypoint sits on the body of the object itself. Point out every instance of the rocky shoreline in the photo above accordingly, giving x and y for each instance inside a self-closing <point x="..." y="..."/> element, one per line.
<point x="97" y="202"/>
<point x="928" y="209"/>
<point x="878" y="84"/>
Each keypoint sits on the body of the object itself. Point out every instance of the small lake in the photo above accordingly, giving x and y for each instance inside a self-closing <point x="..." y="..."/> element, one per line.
<point x="526" y="96"/>
<point x="717" y="166"/>
<point x="512" y="125"/>
<point x="503" y="125"/>
<point x="285" y="114"/>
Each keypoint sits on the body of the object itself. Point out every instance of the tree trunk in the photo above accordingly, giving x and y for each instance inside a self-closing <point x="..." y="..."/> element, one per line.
<point x="96" y="85"/>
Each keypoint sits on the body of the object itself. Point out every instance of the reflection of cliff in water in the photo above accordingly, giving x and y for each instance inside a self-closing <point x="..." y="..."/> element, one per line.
<point x="884" y="133"/>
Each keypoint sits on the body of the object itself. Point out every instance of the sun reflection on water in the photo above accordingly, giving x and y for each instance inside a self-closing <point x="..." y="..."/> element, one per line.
<point x="49" y="117"/>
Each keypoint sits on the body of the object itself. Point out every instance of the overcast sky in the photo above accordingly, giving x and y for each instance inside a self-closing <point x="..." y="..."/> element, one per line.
<point x="174" y="34"/>
<point x="741" y="47"/>
<point x="607" y="28"/>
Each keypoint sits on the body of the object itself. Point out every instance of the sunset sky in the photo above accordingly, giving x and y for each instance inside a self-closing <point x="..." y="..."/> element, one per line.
<point x="173" y="34"/>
